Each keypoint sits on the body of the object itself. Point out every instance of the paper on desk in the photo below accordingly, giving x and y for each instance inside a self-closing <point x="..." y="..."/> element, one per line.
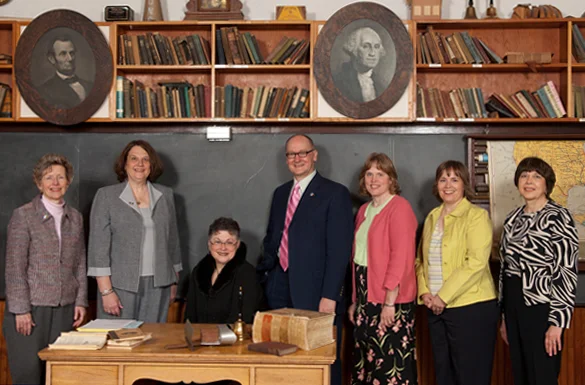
<point x="79" y="341"/>
<point x="105" y="325"/>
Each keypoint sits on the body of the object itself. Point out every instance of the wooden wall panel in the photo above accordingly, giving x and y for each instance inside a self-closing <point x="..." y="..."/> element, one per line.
<point x="572" y="373"/>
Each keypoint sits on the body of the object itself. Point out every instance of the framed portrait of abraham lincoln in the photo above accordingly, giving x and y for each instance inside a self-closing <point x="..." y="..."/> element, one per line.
<point x="363" y="61"/>
<point x="63" y="67"/>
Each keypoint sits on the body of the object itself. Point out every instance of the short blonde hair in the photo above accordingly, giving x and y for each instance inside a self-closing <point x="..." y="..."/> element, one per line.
<point x="49" y="160"/>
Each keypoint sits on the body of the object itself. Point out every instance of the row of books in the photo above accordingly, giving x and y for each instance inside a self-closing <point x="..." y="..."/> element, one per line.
<point x="168" y="100"/>
<point x="458" y="103"/>
<point x="545" y="102"/>
<point x="579" y="100"/>
<point x="5" y="101"/>
<point x="578" y="44"/>
<point x="153" y="48"/>
<point x="235" y="48"/>
<point x="261" y="102"/>
<point x="463" y="103"/>
<point x="457" y="48"/>
<point x="5" y="58"/>
<point x="480" y="167"/>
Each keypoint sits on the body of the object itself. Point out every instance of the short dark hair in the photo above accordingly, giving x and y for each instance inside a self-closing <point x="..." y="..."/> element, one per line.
<point x="541" y="167"/>
<point x="224" y="224"/>
<point x="301" y="135"/>
<point x="156" y="165"/>
<point x="51" y="47"/>
<point x="383" y="163"/>
<point x="460" y="170"/>
<point x="49" y="160"/>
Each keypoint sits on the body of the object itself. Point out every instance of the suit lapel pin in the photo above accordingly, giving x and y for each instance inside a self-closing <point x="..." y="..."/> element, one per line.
<point x="45" y="216"/>
<point x="312" y="194"/>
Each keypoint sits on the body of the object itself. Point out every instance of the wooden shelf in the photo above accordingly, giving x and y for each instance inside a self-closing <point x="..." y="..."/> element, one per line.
<point x="163" y="68"/>
<point x="262" y="67"/>
<point x="490" y="67"/>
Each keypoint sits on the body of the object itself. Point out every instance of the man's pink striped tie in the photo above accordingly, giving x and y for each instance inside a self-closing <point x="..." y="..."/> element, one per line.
<point x="293" y="202"/>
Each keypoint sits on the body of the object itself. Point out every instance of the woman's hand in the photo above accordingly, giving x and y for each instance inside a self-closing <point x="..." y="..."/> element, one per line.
<point x="173" y="292"/>
<point x="79" y="316"/>
<point x="112" y="304"/>
<point x="552" y="340"/>
<point x="437" y="305"/>
<point x="387" y="317"/>
<point x="427" y="299"/>
<point x="504" y="332"/>
<point x="351" y="312"/>
<point x="24" y="324"/>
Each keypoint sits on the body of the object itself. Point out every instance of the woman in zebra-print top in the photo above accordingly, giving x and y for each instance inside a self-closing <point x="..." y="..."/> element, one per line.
<point x="538" y="276"/>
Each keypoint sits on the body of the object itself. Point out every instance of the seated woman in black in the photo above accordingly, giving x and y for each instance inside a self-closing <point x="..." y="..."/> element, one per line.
<point x="215" y="281"/>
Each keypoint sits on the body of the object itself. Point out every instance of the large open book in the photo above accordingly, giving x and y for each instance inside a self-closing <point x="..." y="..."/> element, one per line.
<point x="79" y="341"/>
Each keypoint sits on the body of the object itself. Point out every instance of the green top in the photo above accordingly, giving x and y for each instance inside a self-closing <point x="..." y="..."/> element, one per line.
<point x="361" y="236"/>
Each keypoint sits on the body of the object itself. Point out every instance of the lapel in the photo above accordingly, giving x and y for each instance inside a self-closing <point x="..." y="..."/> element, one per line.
<point x="309" y="199"/>
<point x="46" y="218"/>
<point x="128" y="197"/>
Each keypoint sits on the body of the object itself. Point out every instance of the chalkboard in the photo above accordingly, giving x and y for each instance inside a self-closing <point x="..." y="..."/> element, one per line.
<point x="213" y="179"/>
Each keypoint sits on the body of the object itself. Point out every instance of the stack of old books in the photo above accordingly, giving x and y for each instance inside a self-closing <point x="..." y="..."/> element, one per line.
<point x="127" y="338"/>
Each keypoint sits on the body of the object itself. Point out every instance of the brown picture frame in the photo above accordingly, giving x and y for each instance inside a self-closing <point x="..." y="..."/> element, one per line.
<point x="32" y="48"/>
<point x="397" y="70"/>
<point x="207" y="10"/>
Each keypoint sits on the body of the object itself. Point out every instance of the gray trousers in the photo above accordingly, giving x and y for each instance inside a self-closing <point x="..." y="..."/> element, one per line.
<point x="25" y="365"/>
<point x="150" y="304"/>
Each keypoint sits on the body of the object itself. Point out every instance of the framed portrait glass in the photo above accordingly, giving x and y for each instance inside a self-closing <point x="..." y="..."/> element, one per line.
<point x="63" y="68"/>
<point x="214" y="5"/>
<point x="363" y="61"/>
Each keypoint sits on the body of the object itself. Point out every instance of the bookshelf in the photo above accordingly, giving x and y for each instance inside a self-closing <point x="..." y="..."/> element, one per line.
<point x="477" y="163"/>
<point x="501" y="35"/>
<point x="7" y="46"/>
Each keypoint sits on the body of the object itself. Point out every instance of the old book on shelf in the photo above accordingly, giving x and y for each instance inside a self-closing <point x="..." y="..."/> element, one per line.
<point x="275" y="348"/>
<point x="306" y="329"/>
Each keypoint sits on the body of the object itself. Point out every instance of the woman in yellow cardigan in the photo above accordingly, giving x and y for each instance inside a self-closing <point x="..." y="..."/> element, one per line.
<point x="455" y="283"/>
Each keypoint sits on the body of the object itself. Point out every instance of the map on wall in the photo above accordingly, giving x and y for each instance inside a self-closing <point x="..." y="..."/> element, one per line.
<point x="567" y="159"/>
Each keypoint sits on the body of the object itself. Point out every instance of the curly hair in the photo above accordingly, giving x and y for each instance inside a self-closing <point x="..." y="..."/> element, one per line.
<point x="49" y="160"/>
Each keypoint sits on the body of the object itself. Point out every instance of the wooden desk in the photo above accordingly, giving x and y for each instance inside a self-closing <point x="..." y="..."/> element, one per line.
<point x="205" y="364"/>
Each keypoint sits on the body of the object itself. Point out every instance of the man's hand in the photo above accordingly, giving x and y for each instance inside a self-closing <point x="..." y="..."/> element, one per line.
<point x="351" y="312"/>
<point x="79" y="316"/>
<point x="327" y="305"/>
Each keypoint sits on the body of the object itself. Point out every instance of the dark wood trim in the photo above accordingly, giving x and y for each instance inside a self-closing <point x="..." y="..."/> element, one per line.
<point x="486" y="131"/>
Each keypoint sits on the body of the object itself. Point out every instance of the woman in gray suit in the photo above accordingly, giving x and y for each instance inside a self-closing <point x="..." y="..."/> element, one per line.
<point x="46" y="283"/>
<point x="133" y="240"/>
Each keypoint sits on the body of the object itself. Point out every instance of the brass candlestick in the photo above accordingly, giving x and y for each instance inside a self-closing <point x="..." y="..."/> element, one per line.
<point x="470" y="11"/>
<point x="240" y="325"/>
<point x="491" y="12"/>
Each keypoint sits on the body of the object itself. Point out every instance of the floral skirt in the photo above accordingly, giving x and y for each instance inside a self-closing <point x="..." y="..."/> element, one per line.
<point x="378" y="357"/>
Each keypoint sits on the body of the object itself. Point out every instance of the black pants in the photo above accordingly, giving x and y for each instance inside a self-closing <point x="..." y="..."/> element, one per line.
<point x="278" y="296"/>
<point x="463" y="341"/>
<point x="526" y="327"/>
<point x="25" y="365"/>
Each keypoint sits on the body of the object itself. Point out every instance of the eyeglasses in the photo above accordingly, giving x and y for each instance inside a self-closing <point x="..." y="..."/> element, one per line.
<point x="229" y="243"/>
<point x="301" y="154"/>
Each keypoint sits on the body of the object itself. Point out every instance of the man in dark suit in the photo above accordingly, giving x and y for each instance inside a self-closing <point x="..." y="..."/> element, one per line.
<point x="64" y="89"/>
<point x="306" y="255"/>
<point x="360" y="78"/>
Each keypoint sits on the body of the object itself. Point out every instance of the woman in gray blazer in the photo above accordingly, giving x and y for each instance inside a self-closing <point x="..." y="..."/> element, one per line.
<point x="133" y="240"/>
<point x="46" y="283"/>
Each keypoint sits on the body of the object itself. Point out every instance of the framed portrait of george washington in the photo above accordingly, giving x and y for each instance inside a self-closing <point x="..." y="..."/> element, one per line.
<point x="363" y="60"/>
<point x="63" y="67"/>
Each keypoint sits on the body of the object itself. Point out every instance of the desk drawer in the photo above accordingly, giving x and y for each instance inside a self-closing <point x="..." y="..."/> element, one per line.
<point x="289" y="376"/>
<point x="187" y="374"/>
<point x="84" y="374"/>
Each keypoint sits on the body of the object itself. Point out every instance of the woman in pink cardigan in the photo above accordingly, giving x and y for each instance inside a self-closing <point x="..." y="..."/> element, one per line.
<point x="384" y="281"/>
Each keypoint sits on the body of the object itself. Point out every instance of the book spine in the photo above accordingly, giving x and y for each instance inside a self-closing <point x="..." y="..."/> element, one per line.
<point x="119" y="97"/>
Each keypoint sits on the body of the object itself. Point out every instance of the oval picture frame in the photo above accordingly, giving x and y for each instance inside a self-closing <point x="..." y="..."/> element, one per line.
<point x="89" y="37"/>
<point x="389" y="28"/>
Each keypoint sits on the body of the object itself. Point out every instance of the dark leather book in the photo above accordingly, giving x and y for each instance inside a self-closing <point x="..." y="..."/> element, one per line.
<point x="275" y="348"/>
